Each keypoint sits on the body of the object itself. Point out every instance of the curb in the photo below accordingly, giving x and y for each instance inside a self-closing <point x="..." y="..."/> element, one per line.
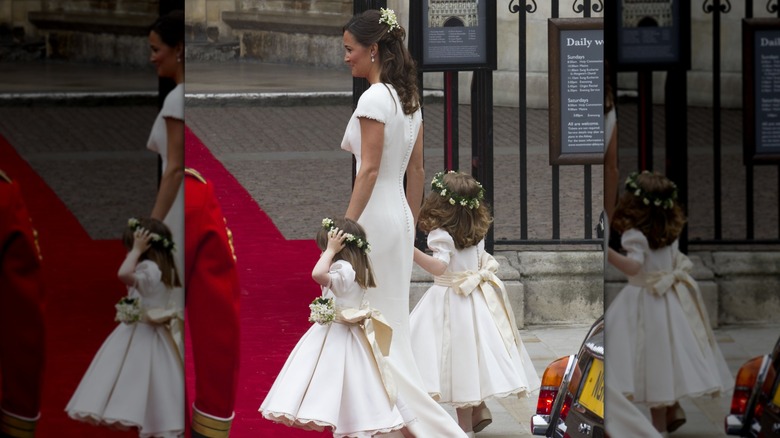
<point x="88" y="98"/>
<point x="282" y="99"/>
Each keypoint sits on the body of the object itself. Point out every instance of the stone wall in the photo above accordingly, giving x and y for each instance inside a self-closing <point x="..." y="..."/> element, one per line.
<point x="544" y="287"/>
<point x="737" y="287"/>
<point x="572" y="287"/>
<point x="108" y="31"/>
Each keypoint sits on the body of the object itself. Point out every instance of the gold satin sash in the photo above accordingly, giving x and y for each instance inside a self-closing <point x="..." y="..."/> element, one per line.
<point x="379" y="334"/>
<point x="680" y="282"/>
<point x="466" y="282"/>
<point x="173" y="320"/>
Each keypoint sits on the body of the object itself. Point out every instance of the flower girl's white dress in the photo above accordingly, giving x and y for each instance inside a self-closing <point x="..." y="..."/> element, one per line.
<point x="463" y="356"/>
<point x="331" y="378"/>
<point x="136" y="378"/>
<point x="659" y="343"/>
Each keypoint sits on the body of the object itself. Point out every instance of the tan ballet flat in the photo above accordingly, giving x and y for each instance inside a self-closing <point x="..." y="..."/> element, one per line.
<point x="675" y="417"/>
<point x="481" y="417"/>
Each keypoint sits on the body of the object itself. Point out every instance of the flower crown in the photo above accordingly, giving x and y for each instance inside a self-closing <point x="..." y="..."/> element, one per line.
<point x="156" y="239"/>
<point x="454" y="198"/>
<point x="388" y="17"/>
<point x="650" y="198"/>
<point x="350" y="239"/>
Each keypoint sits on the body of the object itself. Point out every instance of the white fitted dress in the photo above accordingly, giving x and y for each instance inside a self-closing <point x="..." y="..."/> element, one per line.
<point x="390" y="229"/>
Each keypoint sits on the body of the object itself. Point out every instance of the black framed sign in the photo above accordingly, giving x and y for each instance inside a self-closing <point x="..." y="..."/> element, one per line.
<point x="576" y="90"/>
<point x="454" y="35"/>
<point x="653" y="35"/>
<point x="761" y="90"/>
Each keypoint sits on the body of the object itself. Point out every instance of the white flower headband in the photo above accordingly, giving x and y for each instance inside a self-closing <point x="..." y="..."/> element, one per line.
<point x="388" y="17"/>
<point x="650" y="198"/>
<point x="439" y="187"/>
<point x="350" y="239"/>
<point x="156" y="239"/>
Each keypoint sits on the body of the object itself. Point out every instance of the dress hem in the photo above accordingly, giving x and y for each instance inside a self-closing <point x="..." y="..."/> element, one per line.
<point x="470" y="404"/>
<point x="120" y="424"/>
<point x="713" y="392"/>
<point x="319" y="426"/>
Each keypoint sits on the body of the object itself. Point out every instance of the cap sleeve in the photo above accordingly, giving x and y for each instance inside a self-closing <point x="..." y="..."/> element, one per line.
<point x="342" y="275"/>
<point x="376" y="103"/>
<point x="635" y="244"/>
<point x="147" y="274"/>
<point x="442" y="245"/>
<point x="173" y="107"/>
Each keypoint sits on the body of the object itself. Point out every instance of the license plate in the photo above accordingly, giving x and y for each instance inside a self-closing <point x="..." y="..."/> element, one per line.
<point x="592" y="394"/>
<point x="776" y="398"/>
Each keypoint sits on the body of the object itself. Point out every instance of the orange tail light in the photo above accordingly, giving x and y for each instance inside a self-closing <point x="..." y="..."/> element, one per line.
<point x="746" y="379"/>
<point x="551" y="381"/>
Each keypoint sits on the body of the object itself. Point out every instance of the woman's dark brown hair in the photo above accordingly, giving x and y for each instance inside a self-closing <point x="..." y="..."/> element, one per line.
<point x="170" y="28"/>
<point x="466" y="226"/>
<point x="398" y="67"/>
<point x="364" y="274"/>
<point x="661" y="226"/>
<point x="160" y="255"/>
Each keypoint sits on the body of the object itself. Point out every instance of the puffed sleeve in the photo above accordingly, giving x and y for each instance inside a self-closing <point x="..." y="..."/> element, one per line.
<point x="173" y="107"/>
<point x="341" y="276"/>
<point x="635" y="244"/>
<point x="147" y="274"/>
<point x="376" y="103"/>
<point x="442" y="245"/>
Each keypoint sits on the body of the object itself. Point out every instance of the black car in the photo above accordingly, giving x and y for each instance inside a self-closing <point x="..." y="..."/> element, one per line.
<point x="571" y="398"/>
<point x="755" y="405"/>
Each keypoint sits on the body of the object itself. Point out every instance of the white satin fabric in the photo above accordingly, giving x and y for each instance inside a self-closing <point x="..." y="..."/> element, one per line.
<point x="136" y="378"/>
<point x="463" y="356"/>
<point x="655" y="351"/>
<point x="331" y="379"/>
<point x="390" y="229"/>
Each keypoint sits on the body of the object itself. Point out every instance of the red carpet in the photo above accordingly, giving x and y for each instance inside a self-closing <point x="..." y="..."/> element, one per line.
<point x="81" y="290"/>
<point x="276" y="285"/>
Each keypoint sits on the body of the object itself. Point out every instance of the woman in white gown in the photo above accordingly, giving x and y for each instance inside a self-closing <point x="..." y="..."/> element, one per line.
<point x="166" y="40"/>
<point x="385" y="135"/>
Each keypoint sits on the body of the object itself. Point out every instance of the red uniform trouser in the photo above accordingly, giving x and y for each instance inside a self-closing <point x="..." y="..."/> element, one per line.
<point x="21" y="307"/>
<point x="211" y="282"/>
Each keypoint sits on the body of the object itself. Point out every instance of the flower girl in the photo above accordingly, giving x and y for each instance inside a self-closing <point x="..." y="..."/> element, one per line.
<point x="136" y="378"/>
<point x="464" y="335"/>
<point x="336" y="376"/>
<point x="660" y="347"/>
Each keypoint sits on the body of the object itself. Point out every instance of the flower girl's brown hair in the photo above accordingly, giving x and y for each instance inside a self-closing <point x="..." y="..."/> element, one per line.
<point x="650" y="205"/>
<point x="356" y="256"/>
<point x="160" y="251"/>
<point x="460" y="210"/>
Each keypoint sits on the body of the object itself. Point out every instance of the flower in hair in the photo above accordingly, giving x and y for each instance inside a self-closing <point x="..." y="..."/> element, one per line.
<point x="453" y="198"/>
<point x="156" y="239"/>
<point x="388" y="17"/>
<point x="349" y="239"/>
<point x="666" y="202"/>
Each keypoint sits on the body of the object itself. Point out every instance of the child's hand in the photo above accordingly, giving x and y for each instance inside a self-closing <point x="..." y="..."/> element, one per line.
<point x="336" y="240"/>
<point x="141" y="240"/>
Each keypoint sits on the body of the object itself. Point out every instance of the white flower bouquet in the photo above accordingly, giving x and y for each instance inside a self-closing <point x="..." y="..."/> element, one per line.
<point x="128" y="310"/>
<point x="322" y="311"/>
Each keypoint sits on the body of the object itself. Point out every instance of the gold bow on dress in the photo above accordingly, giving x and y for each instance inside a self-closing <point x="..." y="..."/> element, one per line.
<point x="173" y="320"/>
<point x="680" y="282"/>
<point x="466" y="282"/>
<point x="379" y="335"/>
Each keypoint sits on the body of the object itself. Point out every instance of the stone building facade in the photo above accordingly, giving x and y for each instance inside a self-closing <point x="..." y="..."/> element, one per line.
<point x="455" y="13"/>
